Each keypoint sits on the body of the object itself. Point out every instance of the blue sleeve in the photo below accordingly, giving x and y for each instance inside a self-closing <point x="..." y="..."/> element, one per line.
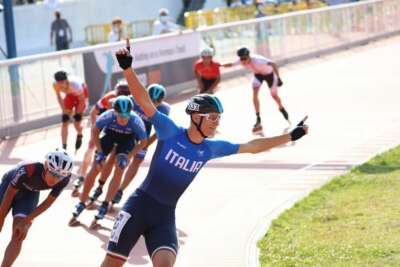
<point x="164" y="108"/>
<point x="139" y="128"/>
<point x="104" y="119"/>
<point x="221" y="148"/>
<point x="164" y="126"/>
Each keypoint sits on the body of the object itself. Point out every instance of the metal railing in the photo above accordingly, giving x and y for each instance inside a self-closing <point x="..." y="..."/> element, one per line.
<point x="282" y="37"/>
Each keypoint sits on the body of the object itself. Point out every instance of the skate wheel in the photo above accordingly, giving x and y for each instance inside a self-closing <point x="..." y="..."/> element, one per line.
<point x="90" y="206"/>
<point x="257" y="129"/>
<point x="75" y="193"/>
<point x="95" y="225"/>
<point x="73" y="222"/>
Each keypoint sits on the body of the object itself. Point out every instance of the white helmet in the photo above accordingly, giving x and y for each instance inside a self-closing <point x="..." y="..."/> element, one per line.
<point x="59" y="163"/>
<point x="207" y="52"/>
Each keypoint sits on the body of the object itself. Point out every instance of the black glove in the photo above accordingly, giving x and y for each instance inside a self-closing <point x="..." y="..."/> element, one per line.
<point x="280" y="83"/>
<point x="124" y="60"/>
<point x="299" y="131"/>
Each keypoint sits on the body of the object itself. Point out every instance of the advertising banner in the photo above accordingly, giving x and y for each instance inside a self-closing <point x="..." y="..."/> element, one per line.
<point x="168" y="60"/>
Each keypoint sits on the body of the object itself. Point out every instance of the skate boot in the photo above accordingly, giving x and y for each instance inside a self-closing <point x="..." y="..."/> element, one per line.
<point x="95" y="196"/>
<point x="102" y="211"/>
<point x="257" y="128"/>
<point x="285" y="114"/>
<point x="117" y="197"/>
<point x="77" y="184"/>
<point x="78" y="210"/>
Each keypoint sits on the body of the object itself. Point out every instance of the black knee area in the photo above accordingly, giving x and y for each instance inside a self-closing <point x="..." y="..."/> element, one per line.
<point x="78" y="117"/>
<point x="65" y="117"/>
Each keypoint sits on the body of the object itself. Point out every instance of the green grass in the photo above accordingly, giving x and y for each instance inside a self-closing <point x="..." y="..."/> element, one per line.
<point x="354" y="220"/>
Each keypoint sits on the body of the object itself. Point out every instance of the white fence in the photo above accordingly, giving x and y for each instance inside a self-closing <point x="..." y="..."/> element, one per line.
<point x="285" y="38"/>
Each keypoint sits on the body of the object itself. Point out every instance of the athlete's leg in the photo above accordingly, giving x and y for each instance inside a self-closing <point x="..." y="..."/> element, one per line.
<point x="87" y="158"/>
<point x="79" y="110"/>
<point x="107" y="168"/>
<point x="278" y="101"/>
<point x="89" y="181"/>
<point x="110" y="261"/>
<point x="14" y="246"/>
<point x="257" y="128"/>
<point x="131" y="172"/>
<point x="274" y="94"/>
<point x="120" y="165"/>
<point x="256" y="101"/>
<point x="163" y="258"/>
<point x="78" y="128"/>
<point x="64" y="128"/>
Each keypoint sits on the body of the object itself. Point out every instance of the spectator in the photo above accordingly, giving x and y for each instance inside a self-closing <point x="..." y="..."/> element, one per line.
<point x="164" y="24"/>
<point x="62" y="32"/>
<point x="259" y="9"/>
<point x="116" y="33"/>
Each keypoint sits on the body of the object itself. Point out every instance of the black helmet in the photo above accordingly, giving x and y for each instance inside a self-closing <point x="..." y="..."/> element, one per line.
<point x="156" y="91"/>
<point x="122" y="88"/>
<point x="243" y="52"/>
<point x="123" y="105"/>
<point x="204" y="103"/>
<point x="60" y="76"/>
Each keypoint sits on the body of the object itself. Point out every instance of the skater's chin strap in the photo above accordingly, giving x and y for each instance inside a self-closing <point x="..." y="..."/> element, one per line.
<point x="198" y="126"/>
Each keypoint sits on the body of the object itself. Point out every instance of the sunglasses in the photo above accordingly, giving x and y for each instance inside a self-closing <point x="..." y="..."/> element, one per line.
<point x="211" y="117"/>
<point x="244" y="58"/>
<point x="58" y="176"/>
<point x="123" y="115"/>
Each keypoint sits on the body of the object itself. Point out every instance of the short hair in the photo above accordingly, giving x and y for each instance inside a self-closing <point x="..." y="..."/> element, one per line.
<point x="163" y="12"/>
<point x="116" y="20"/>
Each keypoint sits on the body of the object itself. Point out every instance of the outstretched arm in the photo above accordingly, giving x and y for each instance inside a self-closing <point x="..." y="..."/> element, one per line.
<point x="227" y="65"/>
<point x="263" y="144"/>
<point x="137" y="89"/>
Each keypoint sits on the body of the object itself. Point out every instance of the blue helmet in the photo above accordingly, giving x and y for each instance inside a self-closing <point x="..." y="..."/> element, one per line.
<point x="156" y="91"/>
<point x="123" y="105"/>
<point x="204" y="103"/>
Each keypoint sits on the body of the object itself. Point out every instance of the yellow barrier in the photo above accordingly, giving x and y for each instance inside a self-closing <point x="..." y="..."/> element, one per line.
<point x="194" y="19"/>
<point x="99" y="33"/>
<point x="95" y="34"/>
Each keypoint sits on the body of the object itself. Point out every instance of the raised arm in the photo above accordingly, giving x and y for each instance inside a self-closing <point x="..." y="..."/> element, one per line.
<point x="137" y="89"/>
